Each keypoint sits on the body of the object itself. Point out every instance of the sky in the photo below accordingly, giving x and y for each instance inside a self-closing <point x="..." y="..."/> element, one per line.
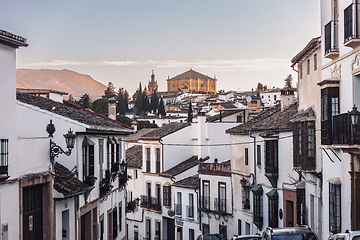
<point x="240" y="42"/>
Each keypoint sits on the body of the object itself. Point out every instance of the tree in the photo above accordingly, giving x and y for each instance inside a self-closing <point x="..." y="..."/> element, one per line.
<point x="146" y="124"/>
<point x="126" y="101"/>
<point x="100" y="106"/>
<point x="138" y="99"/>
<point x="124" y="119"/>
<point x="288" y="81"/>
<point x="154" y="102"/>
<point x="161" y="109"/>
<point x="190" y="113"/>
<point x="110" y="91"/>
<point x="85" y="101"/>
<point x="71" y="99"/>
<point x="121" y="102"/>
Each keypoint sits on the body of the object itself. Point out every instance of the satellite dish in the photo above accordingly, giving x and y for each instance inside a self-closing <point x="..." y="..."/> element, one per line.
<point x="248" y="98"/>
<point x="171" y="213"/>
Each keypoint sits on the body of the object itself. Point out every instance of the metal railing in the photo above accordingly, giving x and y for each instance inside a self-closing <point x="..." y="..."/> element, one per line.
<point x="220" y="205"/>
<point x="178" y="209"/>
<point x="204" y="203"/>
<point x="343" y="131"/>
<point x="331" y="36"/>
<point x="190" y="211"/>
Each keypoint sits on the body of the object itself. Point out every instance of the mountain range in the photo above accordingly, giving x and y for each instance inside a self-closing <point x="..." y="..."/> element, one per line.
<point x="61" y="80"/>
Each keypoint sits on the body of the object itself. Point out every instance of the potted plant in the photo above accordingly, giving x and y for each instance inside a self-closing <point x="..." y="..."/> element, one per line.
<point x="105" y="186"/>
<point x="123" y="179"/>
<point x="90" y="180"/>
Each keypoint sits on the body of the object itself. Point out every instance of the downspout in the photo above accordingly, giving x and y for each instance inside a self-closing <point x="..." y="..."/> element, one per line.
<point x="254" y="157"/>
<point x="162" y="155"/>
<point x="199" y="202"/>
<point x="198" y="212"/>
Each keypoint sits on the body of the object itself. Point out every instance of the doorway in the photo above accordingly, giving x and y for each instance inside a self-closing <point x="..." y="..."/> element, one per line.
<point x="289" y="214"/>
<point x="32" y="212"/>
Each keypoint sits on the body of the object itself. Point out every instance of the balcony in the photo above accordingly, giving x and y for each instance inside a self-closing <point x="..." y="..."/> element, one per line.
<point x="4" y="170"/>
<point x="190" y="211"/>
<point x="204" y="203"/>
<point x="331" y="40"/>
<point x="343" y="132"/>
<point x="351" y="27"/>
<point x="114" y="167"/>
<point x="178" y="209"/>
<point x="151" y="203"/>
<point x="220" y="205"/>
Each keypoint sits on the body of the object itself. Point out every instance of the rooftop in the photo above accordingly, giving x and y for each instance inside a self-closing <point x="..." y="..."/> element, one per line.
<point x="190" y="182"/>
<point x="223" y="115"/>
<point x="66" y="183"/>
<point x="94" y="120"/>
<point x="191" y="74"/>
<point x="313" y="44"/>
<point x="12" y="40"/>
<point x="165" y="130"/>
<point x="136" y="136"/>
<point x="183" y="166"/>
<point x="134" y="156"/>
<point x="269" y="119"/>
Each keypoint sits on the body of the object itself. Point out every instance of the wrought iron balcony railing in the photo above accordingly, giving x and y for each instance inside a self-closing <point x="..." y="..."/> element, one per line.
<point x="153" y="203"/>
<point x="331" y="37"/>
<point x="178" y="209"/>
<point x="205" y="203"/>
<point x="190" y="211"/>
<point x="220" y="205"/>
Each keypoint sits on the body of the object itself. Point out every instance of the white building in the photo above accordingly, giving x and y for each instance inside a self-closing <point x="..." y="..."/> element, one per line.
<point x="340" y="84"/>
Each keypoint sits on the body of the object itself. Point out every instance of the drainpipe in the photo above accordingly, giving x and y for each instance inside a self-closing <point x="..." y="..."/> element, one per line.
<point x="254" y="157"/>
<point x="162" y="155"/>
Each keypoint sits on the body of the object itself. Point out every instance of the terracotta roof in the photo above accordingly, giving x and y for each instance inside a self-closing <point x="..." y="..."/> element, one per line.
<point x="310" y="46"/>
<point x="304" y="115"/>
<point x="66" y="183"/>
<point x="134" y="156"/>
<point x="190" y="182"/>
<point x="94" y="120"/>
<point x="270" y="119"/>
<point x="165" y="130"/>
<point x="223" y="115"/>
<point x="136" y="136"/>
<point x="190" y="74"/>
<point x="183" y="166"/>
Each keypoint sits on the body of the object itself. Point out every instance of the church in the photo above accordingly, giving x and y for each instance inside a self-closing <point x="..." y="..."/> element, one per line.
<point x="192" y="81"/>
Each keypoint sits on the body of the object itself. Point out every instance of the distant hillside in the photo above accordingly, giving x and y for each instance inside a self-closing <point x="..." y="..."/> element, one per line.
<point x="61" y="80"/>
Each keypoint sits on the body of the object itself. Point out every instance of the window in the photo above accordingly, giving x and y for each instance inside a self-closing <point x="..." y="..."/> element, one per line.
<point x="101" y="158"/>
<point x="148" y="229"/>
<point x="258" y="155"/>
<point x="271" y="156"/>
<point x="330" y="106"/>
<point x="135" y="173"/>
<point x="274" y="97"/>
<point x="148" y="168"/>
<point x="246" y="156"/>
<point x="115" y="230"/>
<point x="136" y="233"/>
<point x="327" y="37"/>
<point x="148" y="192"/>
<point x="88" y="158"/>
<point x="190" y="208"/>
<point x="205" y="229"/>
<point x="308" y="66"/>
<point x="101" y="227"/>
<point x="348" y="23"/>
<point x="315" y="62"/>
<point x="239" y="227"/>
<point x="120" y="216"/>
<point x="4" y="154"/>
<point x="301" y="206"/>
<point x="273" y="212"/>
<point x="157" y="230"/>
<point x="334" y="208"/>
<point x="178" y="204"/>
<point x="206" y="195"/>
<point x="157" y="160"/>
<point x="191" y="234"/>
<point x="331" y="29"/>
<point x="300" y="71"/>
<point x="157" y="202"/>
<point x="258" y="208"/>
<point x="221" y="205"/>
<point x="167" y="195"/>
<point x="246" y="197"/>
<point x="304" y="145"/>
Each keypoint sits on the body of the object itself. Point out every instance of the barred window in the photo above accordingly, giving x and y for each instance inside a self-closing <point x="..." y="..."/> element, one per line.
<point x="246" y="156"/>
<point x="4" y="156"/>
<point x="273" y="212"/>
<point x="304" y="145"/>
<point x="334" y="208"/>
<point x="167" y="195"/>
<point x="271" y="156"/>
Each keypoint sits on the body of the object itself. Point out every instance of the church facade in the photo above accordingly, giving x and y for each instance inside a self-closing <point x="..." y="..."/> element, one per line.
<point x="192" y="81"/>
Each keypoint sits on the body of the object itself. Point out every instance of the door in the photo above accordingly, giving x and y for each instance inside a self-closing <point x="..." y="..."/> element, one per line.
<point x="223" y="231"/>
<point x="179" y="233"/>
<point x="32" y="213"/>
<point x="170" y="228"/>
<point x="289" y="214"/>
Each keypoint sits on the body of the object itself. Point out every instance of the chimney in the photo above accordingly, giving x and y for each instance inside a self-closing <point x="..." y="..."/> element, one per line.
<point x="134" y="125"/>
<point x="112" y="108"/>
<point x="287" y="97"/>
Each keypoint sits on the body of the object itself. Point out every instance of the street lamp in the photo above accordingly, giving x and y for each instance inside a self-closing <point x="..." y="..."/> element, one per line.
<point x="354" y="115"/>
<point x="55" y="150"/>
<point x="123" y="167"/>
<point x="243" y="182"/>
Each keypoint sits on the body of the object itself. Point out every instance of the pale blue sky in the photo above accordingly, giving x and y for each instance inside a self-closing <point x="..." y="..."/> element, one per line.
<point x="242" y="42"/>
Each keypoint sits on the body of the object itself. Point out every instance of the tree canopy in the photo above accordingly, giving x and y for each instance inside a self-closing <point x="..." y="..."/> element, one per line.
<point x="110" y="90"/>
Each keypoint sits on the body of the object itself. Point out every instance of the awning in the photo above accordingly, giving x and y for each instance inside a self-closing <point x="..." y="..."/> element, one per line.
<point x="273" y="194"/>
<point x="335" y="181"/>
<point x="87" y="142"/>
<point x="300" y="184"/>
<point x="257" y="190"/>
